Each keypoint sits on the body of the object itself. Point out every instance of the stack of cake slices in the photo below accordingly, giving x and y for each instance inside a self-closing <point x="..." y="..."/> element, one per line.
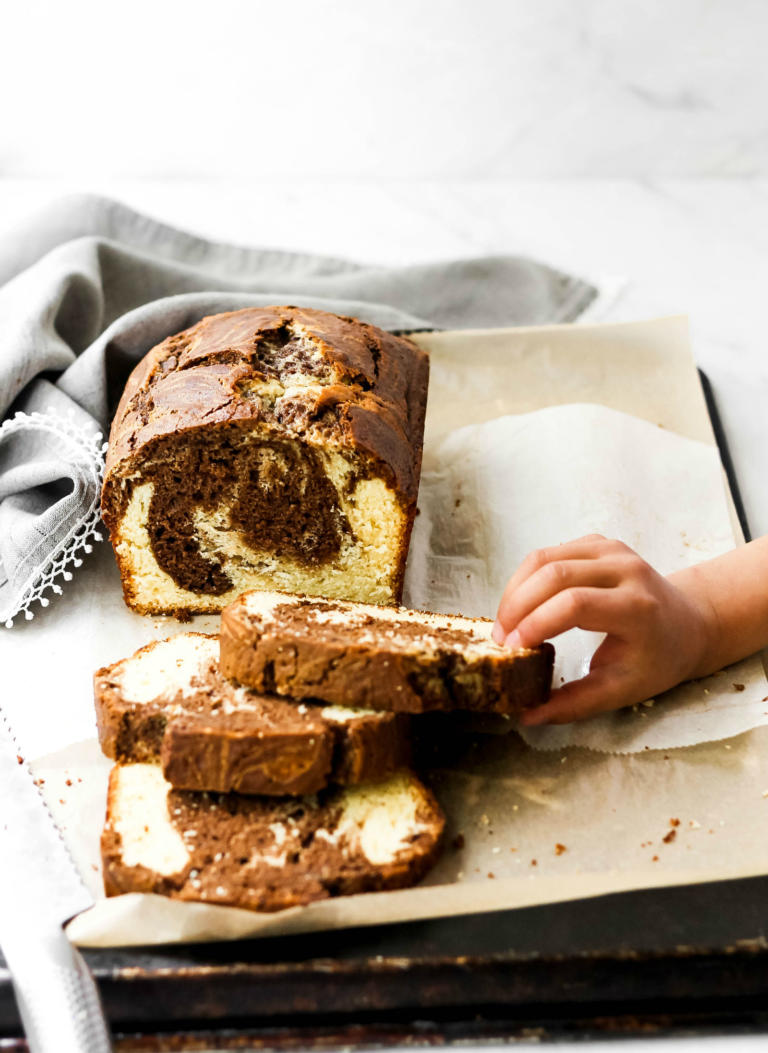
<point x="269" y="767"/>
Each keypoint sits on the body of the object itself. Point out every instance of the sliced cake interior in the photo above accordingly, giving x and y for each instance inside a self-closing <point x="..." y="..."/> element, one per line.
<point x="261" y="853"/>
<point x="389" y="658"/>
<point x="169" y="702"/>
<point x="217" y="513"/>
<point x="256" y="450"/>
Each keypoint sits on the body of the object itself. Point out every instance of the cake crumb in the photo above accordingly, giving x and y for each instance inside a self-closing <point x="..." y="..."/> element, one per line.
<point x="495" y="850"/>
<point x="739" y="687"/>
<point x="674" y="822"/>
<point x="491" y="874"/>
<point x="534" y="863"/>
<point x="458" y="842"/>
<point x="694" y="825"/>
<point x="654" y="859"/>
<point x="68" y="782"/>
<point x="19" y="758"/>
<point x="765" y="793"/>
<point x="484" y="819"/>
<point x="670" y="837"/>
<point x="559" y="849"/>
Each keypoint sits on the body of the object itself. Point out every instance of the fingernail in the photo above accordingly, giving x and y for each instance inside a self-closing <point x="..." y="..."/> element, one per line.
<point x="497" y="634"/>
<point x="513" y="641"/>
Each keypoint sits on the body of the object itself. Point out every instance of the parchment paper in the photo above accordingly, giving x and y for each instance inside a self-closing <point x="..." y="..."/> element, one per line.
<point x="495" y="491"/>
<point x="537" y="826"/>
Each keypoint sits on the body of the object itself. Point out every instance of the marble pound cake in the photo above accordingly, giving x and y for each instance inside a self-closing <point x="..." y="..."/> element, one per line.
<point x="385" y="658"/>
<point x="169" y="703"/>
<point x="270" y="447"/>
<point x="263" y="853"/>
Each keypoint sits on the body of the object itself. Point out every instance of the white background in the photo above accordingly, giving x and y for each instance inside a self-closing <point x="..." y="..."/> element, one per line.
<point x="396" y="90"/>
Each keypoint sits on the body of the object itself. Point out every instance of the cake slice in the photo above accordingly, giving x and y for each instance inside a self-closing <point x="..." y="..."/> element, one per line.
<point x="168" y="702"/>
<point x="264" y="853"/>
<point x="262" y="448"/>
<point x="391" y="659"/>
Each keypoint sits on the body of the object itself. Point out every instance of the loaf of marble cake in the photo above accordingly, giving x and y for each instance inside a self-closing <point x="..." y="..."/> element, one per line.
<point x="272" y="447"/>
<point x="264" y="853"/>
<point x="169" y="704"/>
<point x="384" y="658"/>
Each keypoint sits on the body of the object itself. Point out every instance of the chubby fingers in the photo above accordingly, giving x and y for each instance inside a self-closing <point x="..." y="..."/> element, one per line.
<point x="553" y="578"/>
<point x="582" y="607"/>
<point x="589" y="561"/>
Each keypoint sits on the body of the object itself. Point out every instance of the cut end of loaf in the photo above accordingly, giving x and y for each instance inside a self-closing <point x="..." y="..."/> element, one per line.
<point x="266" y="448"/>
<point x="269" y="523"/>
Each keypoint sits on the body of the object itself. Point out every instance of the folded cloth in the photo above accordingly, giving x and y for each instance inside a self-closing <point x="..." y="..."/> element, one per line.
<point x="88" y="286"/>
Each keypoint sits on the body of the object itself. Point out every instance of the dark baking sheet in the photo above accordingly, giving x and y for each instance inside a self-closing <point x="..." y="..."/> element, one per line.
<point x="656" y="960"/>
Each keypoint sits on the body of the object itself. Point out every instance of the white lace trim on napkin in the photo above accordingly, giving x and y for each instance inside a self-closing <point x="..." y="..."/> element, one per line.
<point x="85" y="449"/>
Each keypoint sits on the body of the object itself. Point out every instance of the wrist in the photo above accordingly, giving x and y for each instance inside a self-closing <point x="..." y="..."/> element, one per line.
<point x="704" y="631"/>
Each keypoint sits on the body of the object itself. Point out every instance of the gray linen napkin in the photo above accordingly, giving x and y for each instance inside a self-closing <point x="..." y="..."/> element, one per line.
<point x="88" y="286"/>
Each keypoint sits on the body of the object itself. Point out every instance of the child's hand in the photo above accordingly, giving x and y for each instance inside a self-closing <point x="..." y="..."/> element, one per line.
<point x="657" y="635"/>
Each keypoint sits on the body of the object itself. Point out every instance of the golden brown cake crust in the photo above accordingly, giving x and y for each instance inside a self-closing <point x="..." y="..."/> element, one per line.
<point x="197" y="377"/>
<point x="298" y="651"/>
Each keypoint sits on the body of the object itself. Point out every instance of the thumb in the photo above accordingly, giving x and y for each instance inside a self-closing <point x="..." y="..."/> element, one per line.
<point x="599" y="692"/>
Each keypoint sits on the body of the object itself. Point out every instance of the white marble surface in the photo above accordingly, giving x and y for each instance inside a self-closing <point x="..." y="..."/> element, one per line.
<point x="696" y="247"/>
<point x="434" y="89"/>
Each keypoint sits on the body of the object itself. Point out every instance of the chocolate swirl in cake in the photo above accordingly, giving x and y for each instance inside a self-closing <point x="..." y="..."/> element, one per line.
<point x="269" y="446"/>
